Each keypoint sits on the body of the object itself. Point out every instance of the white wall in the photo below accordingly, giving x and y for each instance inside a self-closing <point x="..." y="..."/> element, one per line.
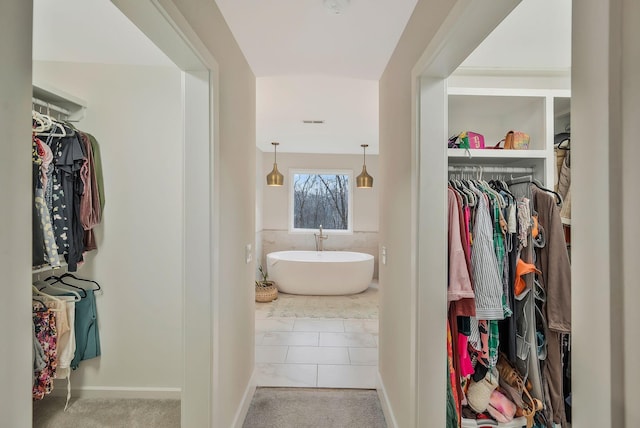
<point x="260" y="188"/>
<point x="397" y="320"/>
<point x="535" y="36"/>
<point x="630" y="16"/>
<point x="137" y="120"/>
<point x="276" y="236"/>
<point x="237" y="183"/>
<point x="283" y="102"/>
<point x="604" y="121"/>
<point x="15" y="216"/>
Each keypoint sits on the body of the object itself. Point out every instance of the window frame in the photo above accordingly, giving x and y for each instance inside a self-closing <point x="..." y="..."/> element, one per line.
<point x="320" y="171"/>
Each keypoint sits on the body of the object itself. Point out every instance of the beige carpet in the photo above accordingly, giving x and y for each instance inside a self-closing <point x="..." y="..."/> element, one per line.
<point x="359" y="306"/>
<point x="106" y="413"/>
<point x="314" y="408"/>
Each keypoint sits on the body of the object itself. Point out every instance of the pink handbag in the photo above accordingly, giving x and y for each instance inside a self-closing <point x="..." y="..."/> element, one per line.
<point x="500" y="407"/>
<point x="466" y="140"/>
<point x="476" y="141"/>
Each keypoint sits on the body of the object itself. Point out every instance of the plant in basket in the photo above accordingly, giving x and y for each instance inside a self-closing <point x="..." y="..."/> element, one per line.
<point x="266" y="290"/>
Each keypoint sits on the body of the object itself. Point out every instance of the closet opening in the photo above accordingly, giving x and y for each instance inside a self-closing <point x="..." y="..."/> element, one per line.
<point x="149" y="98"/>
<point x="516" y="351"/>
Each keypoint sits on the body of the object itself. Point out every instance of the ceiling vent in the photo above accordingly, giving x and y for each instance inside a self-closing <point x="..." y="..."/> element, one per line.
<point x="313" y="121"/>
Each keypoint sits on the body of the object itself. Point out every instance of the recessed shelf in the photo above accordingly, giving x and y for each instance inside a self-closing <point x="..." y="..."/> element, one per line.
<point x="493" y="112"/>
<point x="47" y="93"/>
<point x="498" y="155"/>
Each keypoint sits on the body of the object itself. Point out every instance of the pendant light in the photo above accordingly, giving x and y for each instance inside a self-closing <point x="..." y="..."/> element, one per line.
<point x="274" y="178"/>
<point x="364" y="180"/>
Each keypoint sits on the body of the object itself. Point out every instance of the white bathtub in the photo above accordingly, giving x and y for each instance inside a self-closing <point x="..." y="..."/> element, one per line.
<point x="320" y="273"/>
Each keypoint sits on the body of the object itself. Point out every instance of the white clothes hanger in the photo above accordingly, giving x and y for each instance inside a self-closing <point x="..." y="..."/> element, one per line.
<point x="40" y="121"/>
<point x="55" y="126"/>
<point x="48" y="296"/>
<point x="55" y="287"/>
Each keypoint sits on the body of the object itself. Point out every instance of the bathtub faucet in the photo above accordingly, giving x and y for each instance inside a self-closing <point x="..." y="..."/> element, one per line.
<point x="319" y="238"/>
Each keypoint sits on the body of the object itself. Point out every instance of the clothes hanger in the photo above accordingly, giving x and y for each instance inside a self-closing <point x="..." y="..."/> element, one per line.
<point x="54" y="128"/>
<point x="501" y="186"/>
<point x="41" y="124"/>
<point x="502" y="203"/>
<point x="70" y="275"/>
<point x="472" y="198"/>
<point x="557" y="195"/>
<point x="41" y="309"/>
<point x="48" y="296"/>
<point x="457" y="188"/>
<point x="59" y="280"/>
<point x="45" y="285"/>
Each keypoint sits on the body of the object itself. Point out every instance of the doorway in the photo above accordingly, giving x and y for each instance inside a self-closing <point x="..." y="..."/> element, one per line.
<point x="190" y="125"/>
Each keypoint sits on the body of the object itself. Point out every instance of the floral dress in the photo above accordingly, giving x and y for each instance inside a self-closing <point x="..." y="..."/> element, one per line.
<point x="44" y="322"/>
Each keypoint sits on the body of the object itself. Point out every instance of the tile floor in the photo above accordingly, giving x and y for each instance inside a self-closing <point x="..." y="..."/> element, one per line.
<point x="317" y="352"/>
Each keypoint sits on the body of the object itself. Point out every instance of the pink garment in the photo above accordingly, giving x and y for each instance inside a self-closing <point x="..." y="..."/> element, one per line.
<point x="466" y="367"/>
<point x="467" y="228"/>
<point x="47" y="158"/>
<point x="459" y="279"/>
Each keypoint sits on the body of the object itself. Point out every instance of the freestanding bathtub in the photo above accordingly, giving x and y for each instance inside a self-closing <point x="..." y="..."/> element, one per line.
<point x="320" y="273"/>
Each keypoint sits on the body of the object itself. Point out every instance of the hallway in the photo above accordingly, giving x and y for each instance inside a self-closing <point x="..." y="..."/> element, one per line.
<point x="212" y="359"/>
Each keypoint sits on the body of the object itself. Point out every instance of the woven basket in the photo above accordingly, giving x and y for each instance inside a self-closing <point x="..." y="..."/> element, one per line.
<point x="266" y="294"/>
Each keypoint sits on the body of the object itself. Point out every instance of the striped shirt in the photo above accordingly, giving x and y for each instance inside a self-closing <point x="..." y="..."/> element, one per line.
<point x="487" y="278"/>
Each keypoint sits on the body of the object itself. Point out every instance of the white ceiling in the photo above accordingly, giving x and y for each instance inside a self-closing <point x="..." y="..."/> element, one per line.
<point x="309" y="63"/>
<point x="312" y="64"/>
<point x="284" y="37"/>
<point x="93" y="31"/>
<point x="348" y="107"/>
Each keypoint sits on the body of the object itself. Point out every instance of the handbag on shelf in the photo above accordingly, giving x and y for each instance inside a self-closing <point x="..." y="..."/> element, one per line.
<point x="466" y="140"/>
<point x="514" y="140"/>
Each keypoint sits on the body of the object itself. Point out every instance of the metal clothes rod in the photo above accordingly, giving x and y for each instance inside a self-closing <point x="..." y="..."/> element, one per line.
<point x="491" y="169"/>
<point x="46" y="268"/>
<point x="51" y="106"/>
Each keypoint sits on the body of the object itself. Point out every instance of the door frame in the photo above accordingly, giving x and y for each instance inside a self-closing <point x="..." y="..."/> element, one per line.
<point x="466" y="26"/>
<point x="166" y="27"/>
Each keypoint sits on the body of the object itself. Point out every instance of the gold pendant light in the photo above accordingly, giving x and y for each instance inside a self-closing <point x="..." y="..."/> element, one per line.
<point x="274" y="178"/>
<point x="364" y="180"/>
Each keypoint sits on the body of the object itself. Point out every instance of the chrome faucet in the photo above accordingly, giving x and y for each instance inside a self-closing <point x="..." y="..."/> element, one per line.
<point x="319" y="238"/>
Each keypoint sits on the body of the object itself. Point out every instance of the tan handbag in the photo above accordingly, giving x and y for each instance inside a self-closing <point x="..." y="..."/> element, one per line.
<point x="514" y="140"/>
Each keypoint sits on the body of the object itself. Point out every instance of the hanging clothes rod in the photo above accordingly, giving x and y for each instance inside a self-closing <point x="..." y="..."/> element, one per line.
<point x="492" y="169"/>
<point x="50" y="106"/>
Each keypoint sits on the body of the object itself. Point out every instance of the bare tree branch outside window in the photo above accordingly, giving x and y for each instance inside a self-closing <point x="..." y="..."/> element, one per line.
<point x="321" y="199"/>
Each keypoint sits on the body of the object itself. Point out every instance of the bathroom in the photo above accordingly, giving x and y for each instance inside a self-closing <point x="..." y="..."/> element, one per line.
<point x="330" y="340"/>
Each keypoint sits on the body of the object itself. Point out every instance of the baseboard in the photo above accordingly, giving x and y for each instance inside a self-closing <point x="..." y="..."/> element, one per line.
<point x="241" y="414"/>
<point x="386" y="405"/>
<point x="60" y="390"/>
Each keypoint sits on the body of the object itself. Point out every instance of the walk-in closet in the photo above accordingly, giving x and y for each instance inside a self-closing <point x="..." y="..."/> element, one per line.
<point x="107" y="119"/>
<point x="509" y="269"/>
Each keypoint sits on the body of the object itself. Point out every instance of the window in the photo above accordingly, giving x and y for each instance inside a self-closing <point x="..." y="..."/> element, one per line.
<point x="320" y="198"/>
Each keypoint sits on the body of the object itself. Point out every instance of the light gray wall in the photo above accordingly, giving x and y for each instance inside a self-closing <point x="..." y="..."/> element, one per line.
<point x="397" y="326"/>
<point x="275" y="205"/>
<point x="137" y="121"/>
<point x="605" y="109"/>
<point x="630" y="154"/>
<point x="15" y="215"/>
<point x="237" y="161"/>
<point x="260" y="180"/>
